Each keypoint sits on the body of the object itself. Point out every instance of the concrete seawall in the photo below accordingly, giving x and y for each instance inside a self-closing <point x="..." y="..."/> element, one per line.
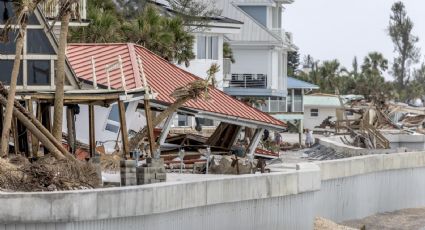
<point x="339" y="190"/>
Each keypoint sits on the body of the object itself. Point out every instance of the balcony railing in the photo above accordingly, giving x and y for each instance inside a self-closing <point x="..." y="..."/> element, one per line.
<point x="282" y="34"/>
<point x="273" y="106"/>
<point x="51" y="8"/>
<point x="258" y="81"/>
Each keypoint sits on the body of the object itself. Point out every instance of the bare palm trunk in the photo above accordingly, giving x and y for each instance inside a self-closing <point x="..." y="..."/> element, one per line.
<point x="138" y="138"/>
<point x="12" y="92"/>
<point x="35" y="131"/>
<point x="60" y="78"/>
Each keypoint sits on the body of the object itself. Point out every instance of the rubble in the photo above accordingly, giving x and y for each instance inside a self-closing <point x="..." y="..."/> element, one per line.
<point x="325" y="224"/>
<point x="231" y="165"/>
<point x="46" y="174"/>
<point x="321" y="153"/>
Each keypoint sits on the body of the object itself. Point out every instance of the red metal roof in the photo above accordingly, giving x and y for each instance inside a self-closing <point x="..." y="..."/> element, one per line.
<point x="162" y="76"/>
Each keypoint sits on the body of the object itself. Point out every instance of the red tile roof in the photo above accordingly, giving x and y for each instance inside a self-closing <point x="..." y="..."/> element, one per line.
<point x="162" y="76"/>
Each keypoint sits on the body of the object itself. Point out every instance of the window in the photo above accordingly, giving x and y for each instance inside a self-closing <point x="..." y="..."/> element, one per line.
<point x="6" y="66"/>
<point x="38" y="43"/>
<point x="113" y="121"/>
<point x="38" y="72"/>
<point x="206" y="122"/>
<point x="39" y="55"/>
<point x="207" y="47"/>
<point x="314" y="112"/>
<point x="183" y="120"/>
<point x="259" y="13"/>
<point x="10" y="46"/>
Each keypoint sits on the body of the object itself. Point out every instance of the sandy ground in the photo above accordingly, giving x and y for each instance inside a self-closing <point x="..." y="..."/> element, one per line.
<point x="406" y="219"/>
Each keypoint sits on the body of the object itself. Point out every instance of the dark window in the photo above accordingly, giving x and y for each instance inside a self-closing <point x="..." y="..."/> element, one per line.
<point x="206" y="122"/>
<point x="10" y="46"/>
<point x="183" y="120"/>
<point x="114" y="115"/>
<point x="112" y="128"/>
<point x="32" y="20"/>
<point x="38" y="43"/>
<point x="6" y="67"/>
<point x="314" y="112"/>
<point x="38" y="72"/>
<point x="6" y="8"/>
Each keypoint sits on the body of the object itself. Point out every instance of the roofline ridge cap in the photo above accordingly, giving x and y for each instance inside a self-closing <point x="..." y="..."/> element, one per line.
<point x="134" y="65"/>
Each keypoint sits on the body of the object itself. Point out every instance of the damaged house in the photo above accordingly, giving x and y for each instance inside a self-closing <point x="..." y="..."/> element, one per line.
<point x="92" y="64"/>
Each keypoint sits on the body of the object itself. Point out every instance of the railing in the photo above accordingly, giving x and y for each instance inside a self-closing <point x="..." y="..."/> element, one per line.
<point x="273" y="106"/>
<point x="51" y="9"/>
<point x="258" y="81"/>
<point x="282" y="34"/>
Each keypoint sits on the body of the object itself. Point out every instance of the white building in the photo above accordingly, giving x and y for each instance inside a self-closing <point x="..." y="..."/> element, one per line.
<point x="318" y="108"/>
<point x="260" y="49"/>
<point x="208" y="50"/>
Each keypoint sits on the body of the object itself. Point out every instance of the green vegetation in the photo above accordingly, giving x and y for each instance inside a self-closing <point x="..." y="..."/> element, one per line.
<point x="368" y="78"/>
<point x="137" y="22"/>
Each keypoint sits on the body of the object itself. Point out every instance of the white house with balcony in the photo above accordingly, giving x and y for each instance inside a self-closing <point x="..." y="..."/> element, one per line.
<point x="208" y="50"/>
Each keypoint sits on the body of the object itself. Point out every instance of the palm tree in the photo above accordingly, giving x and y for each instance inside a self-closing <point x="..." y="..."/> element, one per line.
<point x="228" y="52"/>
<point x="67" y="8"/>
<point x="165" y="36"/>
<point x="104" y="27"/>
<point x="375" y="63"/>
<point x="371" y="82"/>
<point x="22" y="10"/>
<point x="330" y="72"/>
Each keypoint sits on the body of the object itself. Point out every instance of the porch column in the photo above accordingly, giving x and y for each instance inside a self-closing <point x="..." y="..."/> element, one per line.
<point x="124" y="133"/>
<point x="166" y="129"/>
<point x="70" y="123"/>
<point x="33" y="139"/>
<point x="150" y="128"/>
<point x="302" y="98"/>
<point x="293" y="100"/>
<point x="92" y="134"/>
<point x="269" y="105"/>
<point x="255" y="140"/>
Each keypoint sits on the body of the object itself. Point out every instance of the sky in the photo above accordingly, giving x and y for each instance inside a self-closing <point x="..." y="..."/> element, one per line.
<point x="342" y="29"/>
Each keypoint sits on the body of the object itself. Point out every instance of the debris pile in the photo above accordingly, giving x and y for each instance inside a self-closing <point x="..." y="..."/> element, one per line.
<point x="325" y="224"/>
<point x="46" y="174"/>
<point x="321" y="153"/>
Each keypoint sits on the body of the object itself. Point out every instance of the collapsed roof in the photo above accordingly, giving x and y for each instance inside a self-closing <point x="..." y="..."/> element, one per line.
<point x="163" y="78"/>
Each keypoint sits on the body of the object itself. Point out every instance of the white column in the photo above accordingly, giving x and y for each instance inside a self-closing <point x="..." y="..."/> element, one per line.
<point x="166" y="129"/>
<point x="255" y="141"/>
<point x="293" y="100"/>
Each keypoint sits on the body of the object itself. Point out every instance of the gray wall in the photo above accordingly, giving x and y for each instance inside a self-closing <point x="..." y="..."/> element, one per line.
<point x="338" y="190"/>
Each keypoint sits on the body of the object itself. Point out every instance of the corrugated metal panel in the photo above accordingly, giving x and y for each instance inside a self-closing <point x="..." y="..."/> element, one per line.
<point x="161" y="75"/>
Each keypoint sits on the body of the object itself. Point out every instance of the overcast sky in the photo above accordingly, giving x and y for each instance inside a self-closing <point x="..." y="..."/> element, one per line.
<point x="342" y="29"/>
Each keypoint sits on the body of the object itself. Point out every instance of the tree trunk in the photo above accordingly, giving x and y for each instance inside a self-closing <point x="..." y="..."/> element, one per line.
<point x="34" y="130"/>
<point x="11" y="98"/>
<point x="138" y="138"/>
<point x="37" y="123"/>
<point x="60" y="78"/>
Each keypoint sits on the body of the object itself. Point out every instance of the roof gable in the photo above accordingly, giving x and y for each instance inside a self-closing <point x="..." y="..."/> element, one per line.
<point x="37" y="72"/>
<point x="162" y="76"/>
<point x="251" y="30"/>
